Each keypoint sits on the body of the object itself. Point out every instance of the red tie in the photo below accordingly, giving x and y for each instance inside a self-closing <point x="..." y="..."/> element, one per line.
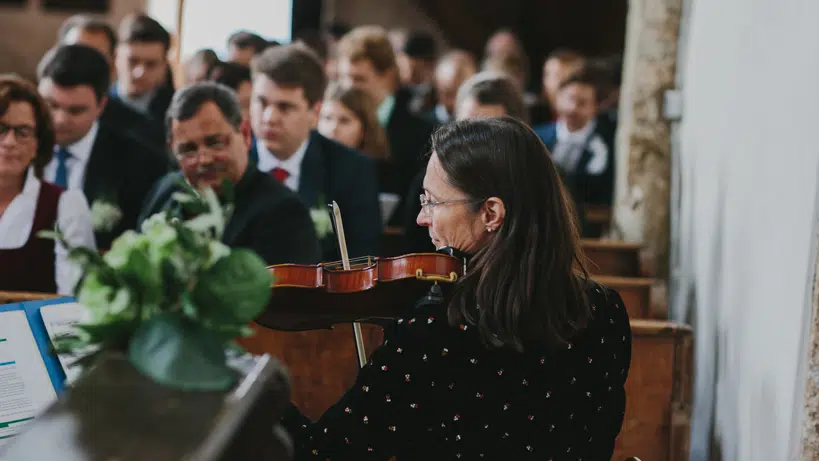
<point x="280" y="174"/>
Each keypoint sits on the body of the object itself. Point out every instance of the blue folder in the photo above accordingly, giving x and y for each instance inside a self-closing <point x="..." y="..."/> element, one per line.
<point x="35" y="322"/>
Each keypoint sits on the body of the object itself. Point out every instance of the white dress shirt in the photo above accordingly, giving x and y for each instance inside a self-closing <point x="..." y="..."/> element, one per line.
<point x="268" y="161"/>
<point x="77" y="162"/>
<point x="570" y="146"/>
<point x="73" y="220"/>
<point x="441" y="114"/>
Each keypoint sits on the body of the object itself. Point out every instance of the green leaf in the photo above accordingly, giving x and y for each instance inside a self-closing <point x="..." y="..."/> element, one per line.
<point x="235" y="290"/>
<point x="113" y="333"/>
<point x="178" y="353"/>
<point x="49" y="234"/>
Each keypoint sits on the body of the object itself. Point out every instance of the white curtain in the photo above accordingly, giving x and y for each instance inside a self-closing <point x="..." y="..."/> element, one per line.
<point x="750" y="161"/>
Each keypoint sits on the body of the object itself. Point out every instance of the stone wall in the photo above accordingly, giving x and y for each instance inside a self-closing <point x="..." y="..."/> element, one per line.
<point x="643" y="164"/>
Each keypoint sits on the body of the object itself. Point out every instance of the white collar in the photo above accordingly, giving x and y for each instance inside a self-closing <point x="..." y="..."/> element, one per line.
<point x="441" y="114"/>
<point x="81" y="150"/>
<point x="580" y="136"/>
<point x="268" y="161"/>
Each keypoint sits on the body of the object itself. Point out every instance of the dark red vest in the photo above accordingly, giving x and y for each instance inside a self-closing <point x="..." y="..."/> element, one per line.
<point x="31" y="267"/>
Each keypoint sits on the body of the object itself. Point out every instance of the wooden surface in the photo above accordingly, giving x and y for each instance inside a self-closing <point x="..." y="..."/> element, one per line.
<point x="635" y="291"/>
<point x="23" y="296"/>
<point x="322" y="363"/>
<point x="658" y="393"/>
<point x="615" y="258"/>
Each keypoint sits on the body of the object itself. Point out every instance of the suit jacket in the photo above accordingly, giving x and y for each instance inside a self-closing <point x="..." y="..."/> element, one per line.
<point x="331" y="171"/>
<point x="409" y="137"/>
<point x="268" y="218"/>
<point x="156" y="108"/>
<point x="586" y="188"/>
<point x="118" y="116"/>
<point x="121" y="169"/>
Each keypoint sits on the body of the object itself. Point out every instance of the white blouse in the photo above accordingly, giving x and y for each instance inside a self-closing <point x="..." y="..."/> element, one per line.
<point x="73" y="219"/>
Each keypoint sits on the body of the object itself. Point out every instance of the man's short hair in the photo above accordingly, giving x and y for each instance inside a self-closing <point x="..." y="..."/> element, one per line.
<point x="76" y="65"/>
<point x="338" y="29"/>
<point x="90" y="24"/>
<point x="230" y="74"/>
<point x="293" y="66"/>
<point x="187" y="102"/>
<point x="370" y="43"/>
<point x="565" y="55"/>
<point x="245" y="39"/>
<point x="587" y="75"/>
<point x="141" y="28"/>
<point x="494" y="88"/>
<point x="421" y="45"/>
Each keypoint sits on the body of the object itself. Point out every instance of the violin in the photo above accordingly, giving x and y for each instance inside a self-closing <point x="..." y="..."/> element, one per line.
<point x="366" y="289"/>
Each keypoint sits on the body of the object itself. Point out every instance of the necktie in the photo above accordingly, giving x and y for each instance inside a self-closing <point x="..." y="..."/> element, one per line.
<point x="61" y="177"/>
<point x="280" y="174"/>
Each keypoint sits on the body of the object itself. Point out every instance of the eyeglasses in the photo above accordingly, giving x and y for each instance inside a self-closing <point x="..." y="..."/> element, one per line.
<point x="22" y="133"/>
<point x="212" y="143"/>
<point x="427" y="204"/>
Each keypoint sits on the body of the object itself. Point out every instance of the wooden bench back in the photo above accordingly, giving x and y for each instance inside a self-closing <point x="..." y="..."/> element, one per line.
<point x="635" y="291"/>
<point x="606" y="257"/>
<point x="658" y="392"/>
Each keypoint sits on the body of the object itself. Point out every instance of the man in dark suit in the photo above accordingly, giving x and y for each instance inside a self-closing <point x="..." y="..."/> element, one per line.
<point x="94" y="32"/>
<point x="288" y="85"/>
<point x="211" y="142"/>
<point x="107" y="165"/>
<point x="144" y="78"/>
<point x="366" y="59"/>
<point x="581" y="147"/>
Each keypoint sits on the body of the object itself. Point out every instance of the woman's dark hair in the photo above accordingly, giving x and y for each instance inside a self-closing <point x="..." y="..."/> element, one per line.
<point x="14" y="88"/>
<point x="528" y="284"/>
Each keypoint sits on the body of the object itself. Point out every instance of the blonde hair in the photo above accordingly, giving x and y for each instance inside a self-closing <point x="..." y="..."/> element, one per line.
<point x="371" y="43"/>
<point x="362" y="105"/>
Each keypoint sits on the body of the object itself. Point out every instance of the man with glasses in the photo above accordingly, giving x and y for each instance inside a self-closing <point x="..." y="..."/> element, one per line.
<point x="210" y="141"/>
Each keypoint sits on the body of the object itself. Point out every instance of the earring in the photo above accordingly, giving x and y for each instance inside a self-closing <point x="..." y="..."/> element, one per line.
<point x="489" y="229"/>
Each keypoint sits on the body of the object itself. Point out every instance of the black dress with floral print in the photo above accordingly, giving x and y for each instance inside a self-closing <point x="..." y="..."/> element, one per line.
<point x="433" y="391"/>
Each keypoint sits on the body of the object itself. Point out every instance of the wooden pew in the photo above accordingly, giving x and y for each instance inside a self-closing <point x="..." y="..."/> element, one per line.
<point x="322" y="360"/>
<point x="635" y="291"/>
<point x="658" y="393"/>
<point x="609" y="257"/>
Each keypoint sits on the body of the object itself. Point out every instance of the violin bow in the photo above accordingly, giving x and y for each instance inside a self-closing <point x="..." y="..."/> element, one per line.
<point x="345" y="262"/>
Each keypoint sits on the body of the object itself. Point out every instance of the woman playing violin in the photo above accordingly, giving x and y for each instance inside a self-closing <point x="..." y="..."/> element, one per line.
<point x="527" y="359"/>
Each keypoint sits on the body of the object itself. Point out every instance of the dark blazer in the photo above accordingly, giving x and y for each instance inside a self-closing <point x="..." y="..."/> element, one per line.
<point x="121" y="170"/>
<point x="268" y="218"/>
<point x="586" y="188"/>
<point x="156" y="108"/>
<point x="409" y="137"/>
<point x="120" y="117"/>
<point x="331" y="171"/>
<point x="436" y="391"/>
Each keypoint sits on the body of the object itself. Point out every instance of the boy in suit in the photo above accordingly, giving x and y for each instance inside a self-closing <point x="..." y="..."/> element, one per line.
<point x="366" y="60"/>
<point x="106" y="164"/>
<point x="581" y="148"/>
<point x="288" y="84"/>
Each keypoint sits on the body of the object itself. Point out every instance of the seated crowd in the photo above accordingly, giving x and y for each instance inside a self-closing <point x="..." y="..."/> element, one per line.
<point x="454" y="154"/>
